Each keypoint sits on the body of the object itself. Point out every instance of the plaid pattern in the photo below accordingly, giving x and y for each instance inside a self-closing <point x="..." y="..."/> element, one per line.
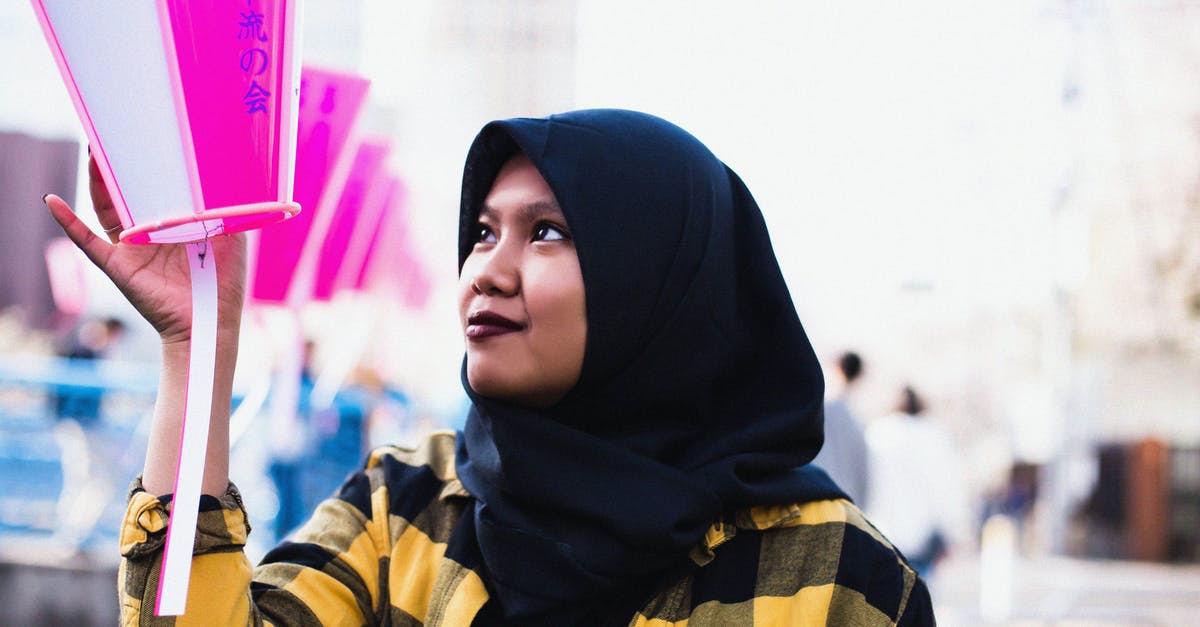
<point x="383" y="551"/>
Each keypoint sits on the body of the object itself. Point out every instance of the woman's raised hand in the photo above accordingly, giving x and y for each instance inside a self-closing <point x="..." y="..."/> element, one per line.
<point x="155" y="278"/>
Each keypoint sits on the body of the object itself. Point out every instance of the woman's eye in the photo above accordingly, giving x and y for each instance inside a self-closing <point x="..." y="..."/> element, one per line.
<point x="546" y="232"/>
<point x="484" y="235"/>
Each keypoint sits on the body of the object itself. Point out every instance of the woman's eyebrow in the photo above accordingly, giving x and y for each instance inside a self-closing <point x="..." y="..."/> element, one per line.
<point x="529" y="212"/>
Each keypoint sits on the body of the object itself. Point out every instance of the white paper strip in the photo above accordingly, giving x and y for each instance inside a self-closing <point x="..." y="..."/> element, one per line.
<point x="181" y="529"/>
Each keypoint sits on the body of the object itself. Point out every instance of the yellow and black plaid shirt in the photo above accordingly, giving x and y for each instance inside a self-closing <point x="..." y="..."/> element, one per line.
<point x="376" y="555"/>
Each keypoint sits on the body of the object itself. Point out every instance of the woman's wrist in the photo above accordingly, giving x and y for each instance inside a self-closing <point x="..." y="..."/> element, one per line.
<point x="227" y="340"/>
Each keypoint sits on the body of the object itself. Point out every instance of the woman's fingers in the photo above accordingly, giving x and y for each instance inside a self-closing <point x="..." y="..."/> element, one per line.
<point x="106" y="212"/>
<point x="95" y="248"/>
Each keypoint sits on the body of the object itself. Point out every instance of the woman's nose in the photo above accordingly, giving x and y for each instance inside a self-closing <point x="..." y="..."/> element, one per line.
<point x="500" y="274"/>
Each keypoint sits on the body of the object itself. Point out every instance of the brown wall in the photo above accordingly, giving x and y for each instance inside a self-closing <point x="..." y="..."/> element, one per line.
<point x="1148" y="501"/>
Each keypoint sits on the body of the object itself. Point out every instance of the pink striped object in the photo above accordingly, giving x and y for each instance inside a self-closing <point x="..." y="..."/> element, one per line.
<point x="330" y="105"/>
<point x="354" y="217"/>
<point x="391" y="195"/>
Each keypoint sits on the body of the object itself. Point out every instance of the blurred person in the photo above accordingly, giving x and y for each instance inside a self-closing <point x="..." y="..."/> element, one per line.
<point x="80" y="399"/>
<point x="644" y="402"/>
<point x="330" y="443"/>
<point x="286" y="464"/>
<point x="844" y="455"/>
<point x="391" y="419"/>
<point x="917" y="499"/>
<point x="94" y="338"/>
<point x="1016" y="498"/>
<point x="83" y="461"/>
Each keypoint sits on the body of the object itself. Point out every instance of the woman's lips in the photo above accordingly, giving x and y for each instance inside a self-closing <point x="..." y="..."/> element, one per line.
<point x="485" y="324"/>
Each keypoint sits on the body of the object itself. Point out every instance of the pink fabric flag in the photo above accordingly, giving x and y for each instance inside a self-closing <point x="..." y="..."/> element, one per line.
<point x="417" y="285"/>
<point x="330" y="105"/>
<point x="355" y="211"/>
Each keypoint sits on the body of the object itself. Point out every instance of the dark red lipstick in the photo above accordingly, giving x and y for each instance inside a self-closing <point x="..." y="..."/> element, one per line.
<point x="484" y="324"/>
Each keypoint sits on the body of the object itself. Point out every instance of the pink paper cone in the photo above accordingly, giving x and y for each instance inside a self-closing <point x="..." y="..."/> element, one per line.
<point x="188" y="107"/>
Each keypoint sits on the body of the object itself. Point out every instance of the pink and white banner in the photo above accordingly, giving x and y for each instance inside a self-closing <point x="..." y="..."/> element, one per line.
<point x="357" y="213"/>
<point x="391" y="195"/>
<point x="330" y="106"/>
<point x="393" y="263"/>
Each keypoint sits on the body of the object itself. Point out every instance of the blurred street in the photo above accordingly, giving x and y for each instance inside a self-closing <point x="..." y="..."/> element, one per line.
<point x="1065" y="591"/>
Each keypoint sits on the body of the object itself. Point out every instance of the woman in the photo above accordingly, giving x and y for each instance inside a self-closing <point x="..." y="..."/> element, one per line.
<point x="644" y="402"/>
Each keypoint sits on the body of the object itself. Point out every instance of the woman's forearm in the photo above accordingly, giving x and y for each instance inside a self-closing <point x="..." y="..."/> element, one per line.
<point x="162" y="451"/>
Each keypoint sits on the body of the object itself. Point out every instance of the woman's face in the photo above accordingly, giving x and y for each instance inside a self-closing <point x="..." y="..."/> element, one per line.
<point x="521" y="298"/>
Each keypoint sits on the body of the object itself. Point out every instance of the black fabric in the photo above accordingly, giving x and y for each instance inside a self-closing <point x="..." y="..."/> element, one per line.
<point x="699" y="394"/>
<point x="420" y="487"/>
<point x="725" y="580"/>
<point x="357" y="492"/>
<point x="866" y="567"/>
<point x="918" y="610"/>
<point x="304" y="553"/>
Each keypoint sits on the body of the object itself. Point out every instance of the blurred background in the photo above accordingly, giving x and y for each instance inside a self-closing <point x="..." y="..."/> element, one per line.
<point x="995" y="203"/>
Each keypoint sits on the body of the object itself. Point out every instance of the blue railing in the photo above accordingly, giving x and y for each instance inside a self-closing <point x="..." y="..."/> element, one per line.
<point x="72" y="434"/>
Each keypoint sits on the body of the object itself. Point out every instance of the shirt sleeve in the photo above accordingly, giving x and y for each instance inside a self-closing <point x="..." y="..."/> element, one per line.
<point x="328" y="572"/>
<point x="918" y="612"/>
<point x="219" y="587"/>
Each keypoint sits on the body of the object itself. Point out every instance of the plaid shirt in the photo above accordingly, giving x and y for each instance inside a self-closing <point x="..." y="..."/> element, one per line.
<point x="375" y="554"/>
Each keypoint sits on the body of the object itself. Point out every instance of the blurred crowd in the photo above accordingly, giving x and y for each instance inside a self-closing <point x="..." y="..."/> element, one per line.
<point x="908" y="472"/>
<point x="73" y="424"/>
<point x="79" y="414"/>
<point x="73" y="427"/>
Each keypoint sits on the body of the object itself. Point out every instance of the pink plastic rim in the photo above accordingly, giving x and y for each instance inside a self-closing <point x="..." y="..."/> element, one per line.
<point x="270" y="212"/>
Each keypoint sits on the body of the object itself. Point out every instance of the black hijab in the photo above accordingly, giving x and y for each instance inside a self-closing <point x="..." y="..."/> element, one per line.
<point x="699" y="393"/>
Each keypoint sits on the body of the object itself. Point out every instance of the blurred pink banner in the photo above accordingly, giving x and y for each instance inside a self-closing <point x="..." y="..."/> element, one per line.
<point x="68" y="283"/>
<point x="415" y="284"/>
<point x="330" y="105"/>
<point x="391" y="195"/>
<point x="393" y="262"/>
<point x="356" y="211"/>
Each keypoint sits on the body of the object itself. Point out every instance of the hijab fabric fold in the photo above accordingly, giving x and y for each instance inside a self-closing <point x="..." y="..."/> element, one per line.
<point x="699" y="395"/>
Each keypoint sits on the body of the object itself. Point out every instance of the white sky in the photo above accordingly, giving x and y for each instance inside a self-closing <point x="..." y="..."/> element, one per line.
<point x="906" y="155"/>
<point x="888" y="145"/>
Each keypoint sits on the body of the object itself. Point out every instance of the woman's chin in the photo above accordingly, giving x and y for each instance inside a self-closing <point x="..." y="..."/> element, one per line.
<point x="513" y="393"/>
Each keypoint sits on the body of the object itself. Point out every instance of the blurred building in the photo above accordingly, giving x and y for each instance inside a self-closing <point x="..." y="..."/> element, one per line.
<point x="1137" y="309"/>
<point x="1133" y="318"/>
<point x="29" y="167"/>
